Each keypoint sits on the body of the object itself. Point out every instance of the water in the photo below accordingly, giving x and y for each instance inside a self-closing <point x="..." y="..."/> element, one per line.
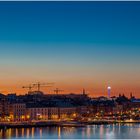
<point x="118" y="131"/>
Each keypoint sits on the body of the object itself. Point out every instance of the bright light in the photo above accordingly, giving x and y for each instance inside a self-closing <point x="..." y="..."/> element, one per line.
<point x="28" y="117"/>
<point x="23" y="117"/>
<point x="109" y="87"/>
<point x="74" y="115"/>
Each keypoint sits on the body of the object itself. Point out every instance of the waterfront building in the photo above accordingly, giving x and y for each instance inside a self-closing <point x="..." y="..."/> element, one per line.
<point x="53" y="113"/>
<point x="18" y="111"/>
<point x="65" y="107"/>
<point x="37" y="113"/>
<point x="68" y="112"/>
<point x="118" y="109"/>
<point x="4" y="109"/>
<point x="40" y="111"/>
<point x="50" y="113"/>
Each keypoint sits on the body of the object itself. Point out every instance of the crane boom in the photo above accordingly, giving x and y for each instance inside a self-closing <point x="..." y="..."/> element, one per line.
<point x="57" y="90"/>
<point x="28" y="87"/>
<point x="39" y="85"/>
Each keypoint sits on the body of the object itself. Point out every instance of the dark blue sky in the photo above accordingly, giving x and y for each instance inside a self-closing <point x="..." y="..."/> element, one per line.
<point x="98" y="41"/>
<point x="78" y="22"/>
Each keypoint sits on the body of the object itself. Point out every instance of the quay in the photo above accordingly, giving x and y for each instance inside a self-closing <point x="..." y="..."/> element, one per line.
<point x="62" y="124"/>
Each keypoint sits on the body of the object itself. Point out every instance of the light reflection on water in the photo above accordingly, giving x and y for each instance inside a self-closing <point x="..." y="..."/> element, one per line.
<point x="118" y="131"/>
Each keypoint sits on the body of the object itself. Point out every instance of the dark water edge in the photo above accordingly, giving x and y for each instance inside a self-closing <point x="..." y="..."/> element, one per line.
<point x="110" y="131"/>
<point x="61" y="124"/>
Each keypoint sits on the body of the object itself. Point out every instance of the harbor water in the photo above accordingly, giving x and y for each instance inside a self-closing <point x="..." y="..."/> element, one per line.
<point x="112" y="131"/>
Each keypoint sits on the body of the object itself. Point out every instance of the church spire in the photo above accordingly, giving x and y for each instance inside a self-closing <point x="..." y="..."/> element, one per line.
<point x="84" y="91"/>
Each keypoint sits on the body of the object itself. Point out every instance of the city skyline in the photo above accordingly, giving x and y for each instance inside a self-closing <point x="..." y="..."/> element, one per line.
<point x="76" y="45"/>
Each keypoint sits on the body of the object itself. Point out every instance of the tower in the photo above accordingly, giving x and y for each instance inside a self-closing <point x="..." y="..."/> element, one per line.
<point x="131" y="96"/>
<point x="84" y="91"/>
<point x="109" y="91"/>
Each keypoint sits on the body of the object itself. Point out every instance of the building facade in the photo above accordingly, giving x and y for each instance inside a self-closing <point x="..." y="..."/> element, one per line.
<point x="18" y="111"/>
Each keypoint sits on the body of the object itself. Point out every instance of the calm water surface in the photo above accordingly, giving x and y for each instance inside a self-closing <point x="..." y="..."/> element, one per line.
<point x="119" y="131"/>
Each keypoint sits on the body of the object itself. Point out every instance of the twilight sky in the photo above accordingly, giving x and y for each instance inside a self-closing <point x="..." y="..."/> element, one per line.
<point x="74" y="44"/>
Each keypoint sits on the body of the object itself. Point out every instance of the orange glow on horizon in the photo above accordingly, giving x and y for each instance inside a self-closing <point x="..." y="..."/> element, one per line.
<point x="91" y="91"/>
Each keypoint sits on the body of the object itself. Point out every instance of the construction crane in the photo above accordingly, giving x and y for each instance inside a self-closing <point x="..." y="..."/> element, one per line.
<point x="57" y="90"/>
<point x="39" y="85"/>
<point x="28" y="87"/>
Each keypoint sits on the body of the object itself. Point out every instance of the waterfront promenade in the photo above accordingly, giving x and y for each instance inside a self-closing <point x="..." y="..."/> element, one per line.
<point x="62" y="123"/>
